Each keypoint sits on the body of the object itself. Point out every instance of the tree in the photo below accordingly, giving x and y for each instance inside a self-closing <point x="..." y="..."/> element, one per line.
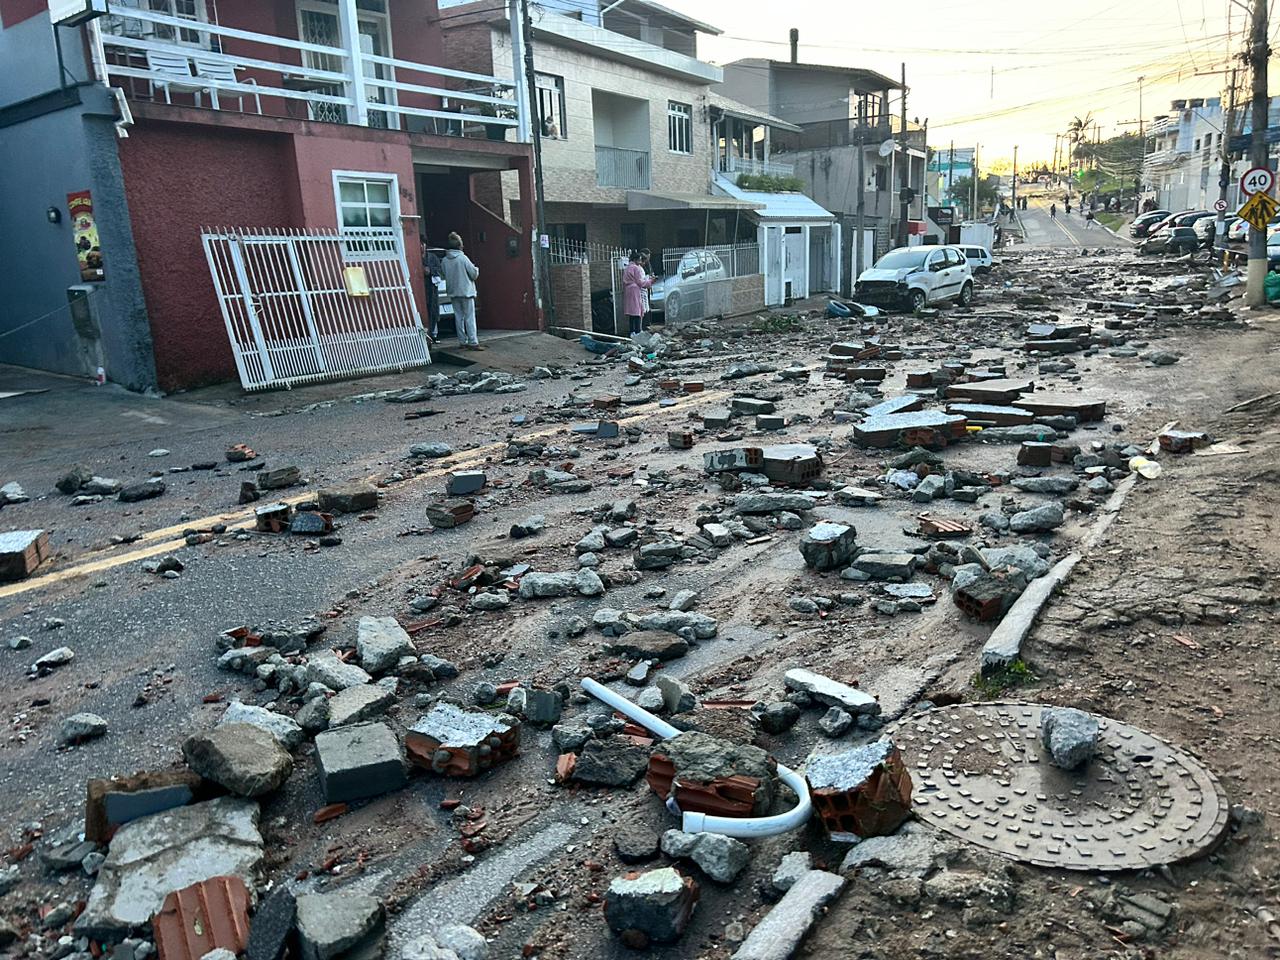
<point x="1077" y="134"/>
<point x="962" y="190"/>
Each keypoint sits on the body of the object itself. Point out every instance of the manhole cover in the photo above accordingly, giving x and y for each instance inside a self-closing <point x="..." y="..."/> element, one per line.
<point x="981" y="774"/>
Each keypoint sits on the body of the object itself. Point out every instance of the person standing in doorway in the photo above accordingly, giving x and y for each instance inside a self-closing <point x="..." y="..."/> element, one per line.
<point x="433" y="268"/>
<point x="645" y="265"/>
<point x="460" y="276"/>
<point x="634" y="286"/>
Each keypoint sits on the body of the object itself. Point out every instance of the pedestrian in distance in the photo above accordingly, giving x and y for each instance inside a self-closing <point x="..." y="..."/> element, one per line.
<point x="433" y="268"/>
<point x="1053" y="211"/>
<point x="634" y="285"/>
<point x="1089" y="220"/>
<point x="460" y="276"/>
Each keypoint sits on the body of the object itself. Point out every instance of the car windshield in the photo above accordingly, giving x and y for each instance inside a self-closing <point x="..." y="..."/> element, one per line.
<point x="902" y="259"/>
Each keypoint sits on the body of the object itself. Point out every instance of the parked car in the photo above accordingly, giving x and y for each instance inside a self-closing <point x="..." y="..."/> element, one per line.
<point x="1163" y="224"/>
<point x="1238" y="231"/>
<point x="1173" y="240"/>
<point x="912" y="277"/>
<point x="1273" y="252"/>
<point x="1206" y="229"/>
<point x="683" y="293"/>
<point x="1143" y="223"/>
<point x="980" y="259"/>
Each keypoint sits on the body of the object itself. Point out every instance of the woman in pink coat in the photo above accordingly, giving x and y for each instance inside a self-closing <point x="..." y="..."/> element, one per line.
<point x="634" y="284"/>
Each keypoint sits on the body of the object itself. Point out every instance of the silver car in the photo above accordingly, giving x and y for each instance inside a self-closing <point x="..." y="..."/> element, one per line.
<point x="683" y="292"/>
<point x="914" y="277"/>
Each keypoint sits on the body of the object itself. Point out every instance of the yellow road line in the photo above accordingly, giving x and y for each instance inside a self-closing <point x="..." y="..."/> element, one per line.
<point x="166" y="539"/>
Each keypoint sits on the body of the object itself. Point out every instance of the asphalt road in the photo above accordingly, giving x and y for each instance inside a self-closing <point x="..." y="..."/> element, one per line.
<point x="1064" y="230"/>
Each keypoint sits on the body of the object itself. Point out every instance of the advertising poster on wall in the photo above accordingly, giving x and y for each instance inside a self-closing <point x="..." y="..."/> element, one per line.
<point x="85" y="232"/>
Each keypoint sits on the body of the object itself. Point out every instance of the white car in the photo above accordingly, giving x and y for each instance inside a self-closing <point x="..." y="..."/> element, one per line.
<point x="980" y="259"/>
<point x="913" y="277"/>
<point x="683" y="292"/>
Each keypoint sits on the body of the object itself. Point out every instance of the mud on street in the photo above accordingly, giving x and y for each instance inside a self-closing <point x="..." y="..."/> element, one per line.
<point x="381" y="713"/>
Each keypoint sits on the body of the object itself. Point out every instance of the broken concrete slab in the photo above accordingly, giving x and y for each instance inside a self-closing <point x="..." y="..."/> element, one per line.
<point x="915" y="850"/>
<point x="779" y="935"/>
<point x="1005" y="643"/>
<point x="935" y="426"/>
<point x="327" y="669"/>
<point x="614" y="762"/>
<point x="358" y="761"/>
<point x="772" y="502"/>
<point x="721" y="858"/>
<point x="359" y="703"/>
<point x="1041" y="519"/>
<point x="246" y="759"/>
<point x="654" y="907"/>
<point x="831" y="692"/>
<point x="886" y="566"/>
<point x="648" y="645"/>
<point x="988" y="414"/>
<point x="380" y="643"/>
<point x="284" y="729"/>
<point x="336" y="924"/>
<point x="167" y="851"/>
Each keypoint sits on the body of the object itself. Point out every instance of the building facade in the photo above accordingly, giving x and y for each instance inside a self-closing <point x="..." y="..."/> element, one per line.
<point x="266" y="118"/>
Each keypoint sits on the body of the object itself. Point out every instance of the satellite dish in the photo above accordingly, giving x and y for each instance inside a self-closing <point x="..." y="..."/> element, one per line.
<point x="888" y="147"/>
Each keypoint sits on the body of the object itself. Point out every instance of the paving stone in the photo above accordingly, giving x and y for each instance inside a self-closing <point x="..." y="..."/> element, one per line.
<point x="380" y="643"/>
<point x="349" y="498"/>
<point x="333" y="924"/>
<point x="286" y="730"/>
<point x="828" y="545"/>
<point x="359" y="703"/>
<point x="245" y="759"/>
<point x="167" y="851"/>
<point x="358" y="761"/>
<point x="779" y="935"/>
<point x="886" y="566"/>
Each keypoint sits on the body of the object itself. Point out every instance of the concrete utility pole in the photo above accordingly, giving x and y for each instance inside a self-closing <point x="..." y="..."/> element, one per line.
<point x="1224" y="174"/>
<point x="862" y="186"/>
<point x="905" y="213"/>
<point x="951" y="171"/>
<point x="1259" y="51"/>
<point x="1142" y="136"/>
<point x="973" y="215"/>
<point x="1015" y="176"/>
<point x="541" y="267"/>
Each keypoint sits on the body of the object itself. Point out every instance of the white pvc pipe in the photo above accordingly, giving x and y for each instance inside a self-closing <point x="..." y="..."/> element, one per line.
<point x="747" y="827"/>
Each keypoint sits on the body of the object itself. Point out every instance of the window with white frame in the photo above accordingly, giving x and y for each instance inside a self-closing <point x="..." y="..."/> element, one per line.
<point x="367" y="204"/>
<point x="195" y="10"/>
<point x="551" y="110"/>
<point x="679" y="127"/>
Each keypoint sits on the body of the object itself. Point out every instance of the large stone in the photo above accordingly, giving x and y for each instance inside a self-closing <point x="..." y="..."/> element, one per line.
<point x="652" y="908"/>
<point x="614" y="762"/>
<point x="1053" y="485"/>
<point x="80" y="727"/>
<point x="75" y="478"/>
<point x="779" y="935"/>
<point x="245" y="759"/>
<point x="772" y="502"/>
<point x="327" y="669"/>
<point x="635" y="843"/>
<point x="886" y="566"/>
<point x="1041" y="519"/>
<point x="539" y="585"/>
<point x="676" y="621"/>
<point x="829" y="545"/>
<point x="332" y="924"/>
<point x="135" y="492"/>
<point x="1070" y="736"/>
<point x="721" y="858"/>
<point x="1024" y="558"/>
<point x="359" y="703"/>
<point x="357" y="761"/>
<point x="284" y="729"/>
<point x="352" y="498"/>
<point x="466" y="942"/>
<point x="155" y="855"/>
<point x="831" y="692"/>
<point x="915" y="850"/>
<point x="381" y="642"/>
<point x="648" y="645"/>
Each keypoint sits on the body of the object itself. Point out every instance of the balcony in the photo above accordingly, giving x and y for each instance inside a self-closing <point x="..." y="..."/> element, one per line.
<point x="323" y="77"/>
<point x="620" y="167"/>
<point x="756" y="168"/>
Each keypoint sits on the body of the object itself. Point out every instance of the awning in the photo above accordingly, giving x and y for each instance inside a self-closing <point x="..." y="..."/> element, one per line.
<point x="750" y="114"/>
<point x="776" y="207"/>
<point x="664" y="200"/>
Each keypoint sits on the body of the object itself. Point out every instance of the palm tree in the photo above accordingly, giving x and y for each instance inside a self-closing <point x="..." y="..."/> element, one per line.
<point x="1076" y="133"/>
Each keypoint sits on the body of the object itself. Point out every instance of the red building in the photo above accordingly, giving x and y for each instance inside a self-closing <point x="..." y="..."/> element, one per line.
<point x="280" y="118"/>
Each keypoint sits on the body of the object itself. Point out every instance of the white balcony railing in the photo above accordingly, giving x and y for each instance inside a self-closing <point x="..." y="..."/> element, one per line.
<point x="620" y="167"/>
<point x="756" y="168"/>
<point x="329" y="83"/>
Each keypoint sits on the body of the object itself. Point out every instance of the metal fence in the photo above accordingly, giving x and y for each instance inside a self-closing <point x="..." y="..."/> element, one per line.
<point x="579" y="251"/>
<point x="684" y="292"/>
<point x="314" y="305"/>
<point x="620" y="167"/>
<point x="754" y="167"/>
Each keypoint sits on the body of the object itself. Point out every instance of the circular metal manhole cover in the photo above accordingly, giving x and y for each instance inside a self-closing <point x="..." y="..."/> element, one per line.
<point x="981" y="774"/>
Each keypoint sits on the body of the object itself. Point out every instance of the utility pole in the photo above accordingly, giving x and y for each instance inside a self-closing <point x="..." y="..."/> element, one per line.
<point x="1137" y="193"/>
<point x="906" y="168"/>
<point x="862" y="186"/>
<point x="1259" y="52"/>
<point x="951" y="170"/>
<point x="1015" y="177"/>
<point x="541" y="266"/>
<point x="1224" y="174"/>
<point x="974" y="185"/>
<point x="1056" y="138"/>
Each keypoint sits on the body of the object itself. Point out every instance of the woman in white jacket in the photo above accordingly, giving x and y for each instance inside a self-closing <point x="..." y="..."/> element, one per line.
<point x="460" y="276"/>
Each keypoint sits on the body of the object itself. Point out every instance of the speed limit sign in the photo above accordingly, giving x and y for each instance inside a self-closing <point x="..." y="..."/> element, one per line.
<point x="1220" y="205"/>
<point x="1257" y="180"/>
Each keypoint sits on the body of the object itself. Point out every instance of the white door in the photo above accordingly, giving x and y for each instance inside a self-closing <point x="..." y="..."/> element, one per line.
<point x="793" y="272"/>
<point x="774" y="287"/>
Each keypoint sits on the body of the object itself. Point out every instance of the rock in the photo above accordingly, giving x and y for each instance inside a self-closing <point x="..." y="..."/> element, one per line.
<point x="835" y="723"/>
<point x="75" y="478"/>
<point x="831" y="692"/>
<point x="1070" y="736"/>
<point x="333" y="924"/>
<point x="140" y="491"/>
<point x="966" y="888"/>
<point x="12" y="493"/>
<point x="313" y="716"/>
<point x="593" y="542"/>
<point x="425" y="947"/>
<point x="650" y="698"/>
<point x="272" y="925"/>
<point x="829" y="545"/>
<point x="359" y="703"/>
<point x="1099" y="486"/>
<point x="802" y="605"/>
<point x="915" y="850"/>
<point x="572" y="736"/>
<point x="791" y="869"/>
<point x="154" y="855"/>
<point x="779" y="717"/>
<point x="677" y="621"/>
<point x="652" y="908"/>
<point x="1041" y="519"/>
<point x="287" y="731"/>
<point x="683" y="601"/>
<point x="614" y="762"/>
<point x="464" y="941"/>
<point x="529" y="527"/>
<point x="540" y="585"/>
<point x="327" y="669"/>
<point x="1162" y="359"/>
<point x="1052" y="485"/>
<point x="490" y="601"/>
<point x="55" y="658"/>
<point x="245" y="759"/>
<point x="380" y="643"/>
<point x="220" y="953"/>
<point x="542" y="707"/>
<point x="772" y="502"/>
<point x="721" y="858"/>
<point x="929" y="489"/>
<point x="357" y="761"/>
<point x="20" y="643"/>
<point x="430" y="450"/>
<point x="1023" y="558"/>
<point x="676" y="695"/>
<point x="657" y="556"/>
<point x="80" y="727"/>
<point x="886" y="566"/>
<point x="588" y="583"/>
<point x="635" y="843"/>
<point x="351" y="498"/>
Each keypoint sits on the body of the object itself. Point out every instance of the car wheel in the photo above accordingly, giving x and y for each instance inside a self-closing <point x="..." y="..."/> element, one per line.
<point x="672" y="311"/>
<point x="918" y="300"/>
<point x="966" y="294"/>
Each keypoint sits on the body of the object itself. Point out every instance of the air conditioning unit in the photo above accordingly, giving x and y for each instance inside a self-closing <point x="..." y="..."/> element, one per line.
<point x="69" y="13"/>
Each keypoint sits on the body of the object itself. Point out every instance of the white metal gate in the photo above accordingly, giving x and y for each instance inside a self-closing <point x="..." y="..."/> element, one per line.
<point x="290" y="316"/>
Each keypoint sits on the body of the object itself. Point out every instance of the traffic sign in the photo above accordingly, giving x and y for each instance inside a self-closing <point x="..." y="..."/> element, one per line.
<point x="1257" y="180"/>
<point x="1259" y="209"/>
<point x="1220" y="205"/>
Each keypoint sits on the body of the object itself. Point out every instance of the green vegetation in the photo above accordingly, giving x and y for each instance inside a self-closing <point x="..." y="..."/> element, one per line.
<point x="1112" y="221"/>
<point x="962" y="190"/>
<point x="776" y="323"/>
<point x="766" y="183"/>
<point x="995" y="684"/>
